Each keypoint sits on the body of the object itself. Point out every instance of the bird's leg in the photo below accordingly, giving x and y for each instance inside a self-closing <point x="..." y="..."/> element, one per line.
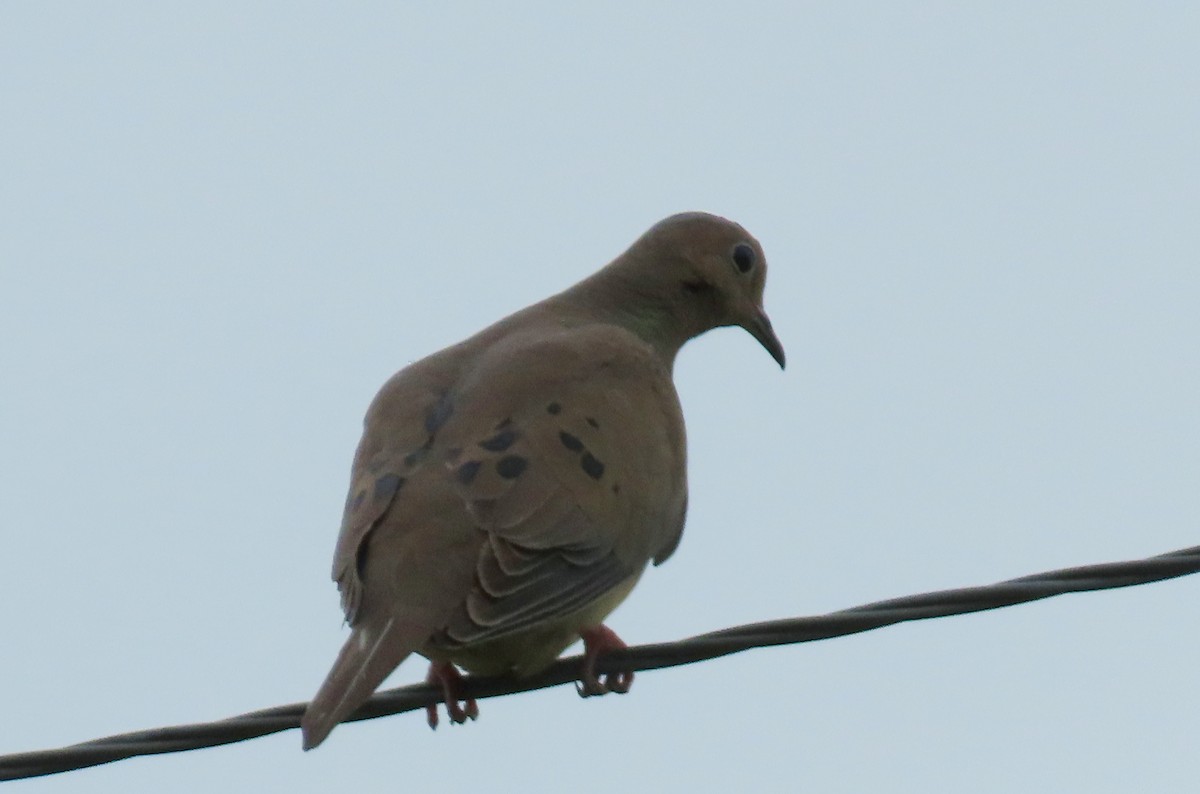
<point x="597" y="640"/>
<point x="446" y="675"/>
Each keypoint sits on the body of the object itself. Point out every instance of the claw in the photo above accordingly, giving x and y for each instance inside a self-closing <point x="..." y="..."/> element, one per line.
<point x="598" y="640"/>
<point x="446" y="676"/>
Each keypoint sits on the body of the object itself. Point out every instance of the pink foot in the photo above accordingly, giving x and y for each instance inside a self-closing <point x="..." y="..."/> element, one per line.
<point x="598" y="640"/>
<point x="446" y="676"/>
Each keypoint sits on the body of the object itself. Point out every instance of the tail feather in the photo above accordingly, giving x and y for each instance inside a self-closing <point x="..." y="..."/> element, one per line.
<point x="365" y="660"/>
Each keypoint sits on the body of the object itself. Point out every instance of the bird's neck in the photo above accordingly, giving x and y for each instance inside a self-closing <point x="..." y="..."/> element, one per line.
<point x="653" y="312"/>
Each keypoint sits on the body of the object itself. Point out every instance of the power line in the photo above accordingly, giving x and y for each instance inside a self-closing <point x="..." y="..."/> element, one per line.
<point x="643" y="657"/>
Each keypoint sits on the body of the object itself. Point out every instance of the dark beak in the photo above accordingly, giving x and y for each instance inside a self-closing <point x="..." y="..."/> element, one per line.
<point x="760" y="328"/>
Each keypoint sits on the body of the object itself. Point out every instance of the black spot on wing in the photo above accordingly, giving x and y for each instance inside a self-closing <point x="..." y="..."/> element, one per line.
<point x="387" y="485"/>
<point x="554" y="409"/>
<point x="418" y="455"/>
<point x="466" y="472"/>
<point x="591" y="466"/>
<point x="510" y="466"/>
<point x="570" y="442"/>
<point x="499" y="442"/>
<point x="438" y="414"/>
<point x="593" y="422"/>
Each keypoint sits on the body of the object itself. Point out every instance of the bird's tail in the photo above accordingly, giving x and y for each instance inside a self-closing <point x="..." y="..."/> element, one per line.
<point x="364" y="661"/>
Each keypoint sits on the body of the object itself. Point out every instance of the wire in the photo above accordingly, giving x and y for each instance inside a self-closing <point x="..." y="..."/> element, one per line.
<point x="643" y="657"/>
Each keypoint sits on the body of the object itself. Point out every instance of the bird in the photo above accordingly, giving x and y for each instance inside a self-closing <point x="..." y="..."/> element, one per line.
<point x="509" y="491"/>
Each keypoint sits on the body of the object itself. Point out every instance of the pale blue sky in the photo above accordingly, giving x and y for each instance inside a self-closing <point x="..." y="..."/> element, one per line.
<point x="225" y="224"/>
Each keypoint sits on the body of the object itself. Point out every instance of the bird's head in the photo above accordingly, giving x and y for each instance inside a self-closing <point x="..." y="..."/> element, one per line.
<point x="709" y="272"/>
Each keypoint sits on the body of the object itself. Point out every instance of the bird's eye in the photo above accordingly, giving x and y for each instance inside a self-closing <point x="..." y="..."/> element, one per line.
<point x="743" y="257"/>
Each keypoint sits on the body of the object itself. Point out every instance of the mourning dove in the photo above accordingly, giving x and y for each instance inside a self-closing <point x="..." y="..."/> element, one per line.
<point x="509" y="491"/>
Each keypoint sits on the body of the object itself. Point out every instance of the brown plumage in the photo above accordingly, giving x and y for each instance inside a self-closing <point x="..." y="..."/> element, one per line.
<point x="509" y="491"/>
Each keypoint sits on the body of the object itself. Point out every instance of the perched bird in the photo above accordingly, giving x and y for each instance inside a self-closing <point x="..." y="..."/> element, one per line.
<point x="509" y="491"/>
